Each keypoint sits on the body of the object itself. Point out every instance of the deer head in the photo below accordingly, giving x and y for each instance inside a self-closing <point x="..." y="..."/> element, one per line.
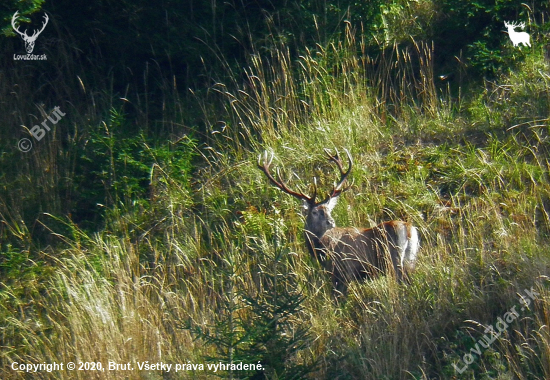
<point x="29" y="40"/>
<point x="318" y="214"/>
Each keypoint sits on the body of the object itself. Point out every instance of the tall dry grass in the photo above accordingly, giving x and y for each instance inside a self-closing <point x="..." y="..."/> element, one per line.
<point x="478" y="195"/>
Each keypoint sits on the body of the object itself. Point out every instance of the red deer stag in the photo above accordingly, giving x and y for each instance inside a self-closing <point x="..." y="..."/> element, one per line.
<point x="351" y="253"/>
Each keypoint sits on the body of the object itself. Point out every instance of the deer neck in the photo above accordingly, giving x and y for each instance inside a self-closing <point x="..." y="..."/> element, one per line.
<point x="315" y="246"/>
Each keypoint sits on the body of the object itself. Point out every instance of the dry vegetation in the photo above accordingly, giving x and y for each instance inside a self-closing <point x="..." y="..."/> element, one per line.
<point x="219" y="271"/>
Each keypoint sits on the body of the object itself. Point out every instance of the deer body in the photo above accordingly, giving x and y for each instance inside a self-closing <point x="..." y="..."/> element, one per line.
<point x="351" y="254"/>
<point x="518" y="37"/>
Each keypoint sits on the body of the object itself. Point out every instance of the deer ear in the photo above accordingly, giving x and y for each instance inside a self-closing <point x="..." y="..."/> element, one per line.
<point x="305" y="206"/>
<point x="331" y="203"/>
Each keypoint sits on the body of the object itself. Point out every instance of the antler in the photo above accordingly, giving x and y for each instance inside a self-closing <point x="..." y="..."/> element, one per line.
<point x="46" y="19"/>
<point x="264" y="166"/>
<point x="36" y="33"/>
<point x="15" y="17"/>
<point x="514" y="25"/>
<point x="337" y="188"/>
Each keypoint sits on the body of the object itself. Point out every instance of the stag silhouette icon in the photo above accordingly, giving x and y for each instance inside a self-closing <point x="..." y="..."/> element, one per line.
<point x="29" y="40"/>
<point x="518" y="37"/>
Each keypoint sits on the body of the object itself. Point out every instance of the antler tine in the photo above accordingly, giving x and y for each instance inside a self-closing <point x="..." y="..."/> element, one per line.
<point x="280" y="183"/>
<point x="314" y="189"/>
<point x="337" y="188"/>
<point x="46" y="19"/>
<point x="265" y="162"/>
<point x="338" y="161"/>
<point x="16" y="28"/>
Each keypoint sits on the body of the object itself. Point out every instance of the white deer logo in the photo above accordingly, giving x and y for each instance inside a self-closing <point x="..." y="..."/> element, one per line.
<point x="29" y="40"/>
<point x="517" y="37"/>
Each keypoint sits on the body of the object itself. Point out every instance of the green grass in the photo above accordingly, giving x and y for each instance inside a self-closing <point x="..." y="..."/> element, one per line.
<point x="213" y="267"/>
